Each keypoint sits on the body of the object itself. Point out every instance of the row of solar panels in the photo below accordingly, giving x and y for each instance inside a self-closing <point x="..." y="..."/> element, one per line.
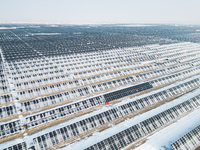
<point x="96" y="88"/>
<point x="80" y="68"/>
<point x="69" y="68"/>
<point x="82" y="105"/>
<point x="38" y="103"/>
<point x="3" y="78"/>
<point x="174" y="53"/>
<point x="31" y="93"/>
<point x="8" y="98"/>
<point x="51" y="112"/>
<point x="17" y="49"/>
<point x="111" y="54"/>
<point x="118" y="140"/>
<point x="47" y="116"/>
<point x="41" y="118"/>
<point x="40" y="74"/>
<point x="10" y="128"/>
<point x="68" y="63"/>
<point x="174" y="69"/>
<point x="19" y="146"/>
<point x="22" y="78"/>
<point x="31" y="105"/>
<point x="49" y="100"/>
<point x="98" y="75"/>
<point x="3" y="82"/>
<point x="4" y="89"/>
<point x="95" y="54"/>
<point x="39" y="81"/>
<point x="184" y="56"/>
<point x="57" y="79"/>
<point x="133" y="133"/>
<point x="54" y="76"/>
<point x="191" y="140"/>
<point x="56" y="98"/>
<point x="56" y="69"/>
<point x="187" y="58"/>
<point x="62" y="134"/>
<point x="63" y="111"/>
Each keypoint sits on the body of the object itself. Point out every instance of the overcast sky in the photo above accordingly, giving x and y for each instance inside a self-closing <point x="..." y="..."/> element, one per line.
<point x="101" y="11"/>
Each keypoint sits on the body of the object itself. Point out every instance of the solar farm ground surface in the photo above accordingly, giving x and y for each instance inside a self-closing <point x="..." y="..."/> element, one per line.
<point x="99" y="87"/>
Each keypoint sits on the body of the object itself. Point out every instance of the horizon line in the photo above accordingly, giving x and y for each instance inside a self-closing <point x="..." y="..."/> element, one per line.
<point x="89" y="23"/>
